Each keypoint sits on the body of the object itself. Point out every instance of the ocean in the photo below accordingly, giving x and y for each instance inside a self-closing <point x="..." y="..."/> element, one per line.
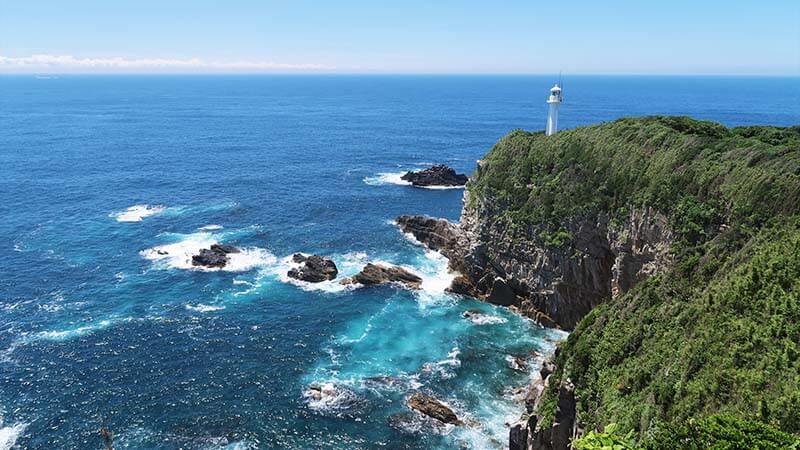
<point x="100" y="173"/>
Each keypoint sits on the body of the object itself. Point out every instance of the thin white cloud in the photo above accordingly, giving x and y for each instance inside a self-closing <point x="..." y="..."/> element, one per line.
<point x="69" y="63"/>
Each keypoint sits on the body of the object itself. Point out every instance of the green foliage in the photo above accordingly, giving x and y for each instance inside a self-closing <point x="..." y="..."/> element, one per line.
<point x="608" y="439"/>
<point x="743" y="174"/>
<point x="722" y="432"/>
<point x="677" y="347"/>
<point x="717" y="432"/>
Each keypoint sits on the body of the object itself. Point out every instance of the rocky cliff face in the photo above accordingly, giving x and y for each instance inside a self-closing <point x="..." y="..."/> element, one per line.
<point x="556" y="286"/>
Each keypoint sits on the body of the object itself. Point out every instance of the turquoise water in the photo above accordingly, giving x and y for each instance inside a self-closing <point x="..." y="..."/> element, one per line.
<point x="99" y="173"/>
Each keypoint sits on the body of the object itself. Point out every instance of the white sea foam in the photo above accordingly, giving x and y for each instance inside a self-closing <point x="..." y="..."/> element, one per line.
<point x="444" y="369"/>
<point x="240" y="445"/>
<point x="10" y="434"/>
<point x="204" y="308"/>
<point x="136" y="213"/>
<point x="178" y="255"/>
<point x="386" y="178"/>
<point x="72" y="333"/>
<point x="436" y="275"/>
<point x="330" y="397"/>
<point x="486" y="319"/>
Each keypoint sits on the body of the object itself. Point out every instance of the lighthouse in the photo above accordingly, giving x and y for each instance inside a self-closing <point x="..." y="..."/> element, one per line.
<point x="554" y="101"/>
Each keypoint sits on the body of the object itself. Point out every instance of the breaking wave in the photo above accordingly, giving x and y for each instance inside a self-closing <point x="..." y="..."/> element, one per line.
<point x="136" y="213"/>
<point x="204" y="308"/>
<point x="178" y="255"/>
<point x="387" y="178"/>
<point x="10" y="434"/>
<point x="486" y="319"/>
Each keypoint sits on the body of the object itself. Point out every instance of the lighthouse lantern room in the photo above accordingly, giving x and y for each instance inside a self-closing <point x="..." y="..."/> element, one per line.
<point x="554" y="102"/>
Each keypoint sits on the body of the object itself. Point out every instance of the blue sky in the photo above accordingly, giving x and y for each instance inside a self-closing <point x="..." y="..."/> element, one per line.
<point x="409" y="36"/>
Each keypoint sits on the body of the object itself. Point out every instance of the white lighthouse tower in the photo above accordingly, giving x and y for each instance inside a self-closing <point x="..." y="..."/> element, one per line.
<point x="552" y="114"/>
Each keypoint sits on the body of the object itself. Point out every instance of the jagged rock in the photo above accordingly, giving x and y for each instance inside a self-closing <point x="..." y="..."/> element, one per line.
<point x="518" y="436"/>
<point x="431" y="407"/>
<point x="547" y="368"/>
<point x="554" y="286"/>
<point x="559" y="435"/>
<point x="517" y="363"/>
<point x="313" y="269"/>
<point x="373" y="274"/>
<point x="438" y="175"/>
<point x="216" y="256"/>
<point x="461" y="285"/>
<point x="436" y="234"/>
<point x="501" y="293"/>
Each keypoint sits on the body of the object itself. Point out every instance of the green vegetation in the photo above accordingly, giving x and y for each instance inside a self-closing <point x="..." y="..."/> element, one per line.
<point x="608" y="439"/>
<point x="743" y="175"/>
<point x="719" y="432"/>
<point x="719" y="332"/>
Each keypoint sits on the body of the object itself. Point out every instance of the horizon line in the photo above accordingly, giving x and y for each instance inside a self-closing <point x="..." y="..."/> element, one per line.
<point x="421" y="73"/>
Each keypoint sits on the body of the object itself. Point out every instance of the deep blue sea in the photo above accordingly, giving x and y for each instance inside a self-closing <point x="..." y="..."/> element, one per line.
<point x="100" y="173"/>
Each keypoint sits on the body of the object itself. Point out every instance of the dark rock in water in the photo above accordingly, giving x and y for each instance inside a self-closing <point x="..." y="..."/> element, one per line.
<point x="314" y="268"/>
<point x="224" y="248"/>
<point x="216" y="256"/>
<point x="373" y="274"/>
<point x="517" y="363"/>
<point x="438" y="175"/>
<point x="431" y="407"/>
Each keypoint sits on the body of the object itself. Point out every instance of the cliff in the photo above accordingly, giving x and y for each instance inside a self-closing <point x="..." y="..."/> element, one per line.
<point x="671" y="246"/>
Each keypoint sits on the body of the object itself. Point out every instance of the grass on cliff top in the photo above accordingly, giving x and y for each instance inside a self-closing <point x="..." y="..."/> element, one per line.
<point x="719" y="332"/>
<point x="745" y="174"/>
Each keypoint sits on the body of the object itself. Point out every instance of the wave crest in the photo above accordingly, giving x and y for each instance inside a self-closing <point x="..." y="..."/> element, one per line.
<point x="387" y="178"/>
<point x="9" y="435"/>
<point x="136" y="213"/>
<point x="178" y="255"/>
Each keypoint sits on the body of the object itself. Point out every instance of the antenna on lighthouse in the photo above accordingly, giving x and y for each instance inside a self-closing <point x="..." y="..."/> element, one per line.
<point x="554" y="103"/>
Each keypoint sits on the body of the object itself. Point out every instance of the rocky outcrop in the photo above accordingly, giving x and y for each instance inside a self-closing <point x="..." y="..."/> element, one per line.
<point x="313" y="269"/>
<point x="373" y="274"/>
<point x="438" y="175"/>
<point x="531" y="433"/>
<point x="433" y="408"/>
<point x="556" y="286"/>
<point x="216" y="256"/>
